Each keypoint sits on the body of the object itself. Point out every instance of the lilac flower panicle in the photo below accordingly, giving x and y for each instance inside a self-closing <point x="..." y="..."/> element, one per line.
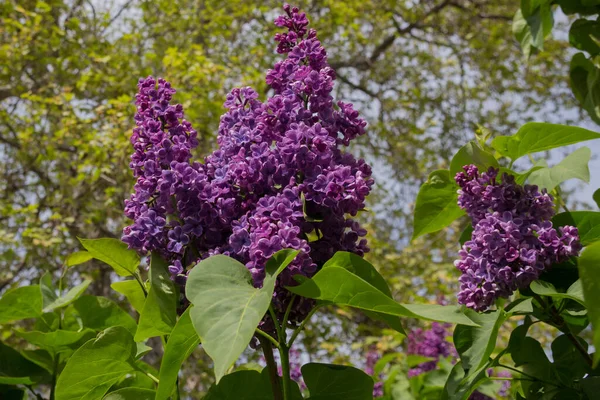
<point x="430" y="343"/>
<point x="373" y="357"/>
<point x="274" y="160"/>
<point x="513" y="239"/>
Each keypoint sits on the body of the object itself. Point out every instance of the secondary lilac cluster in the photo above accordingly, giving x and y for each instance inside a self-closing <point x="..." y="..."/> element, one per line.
<point x="513" y="239"/>
<point x="372" y="357"/>
<point x="430" y="343"/>
<point x="279" y="178"/>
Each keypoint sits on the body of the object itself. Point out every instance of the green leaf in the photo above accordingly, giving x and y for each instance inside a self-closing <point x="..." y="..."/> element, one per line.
<point x="99" y="313"/>
<point x="591" y="386"/>
<point x="472" y="153"/>
<point x="68" y="298"/>
<point x="40" y="357"/>
<point x="589" y="272"/>
<point x="79" y="257"/>
<point x="365" y="270"/>
<point x="97" y="365"/>
<point x="159" y="315"/>
<point x="16" y="369"/>
<point x="476" y="344"/>
<point x="57" y="341"/>
<point x="547" y="289"/>
<point x="340" y="286"/>
<point x="587" y="223"/>
<point x="584" y="35"/>
<point x="596" y="197"/>
<point x="437" y="204"/>
<point x="21" y="303"/>
<point x="131" y="394"/>
<point x="227" y="307"/>
<point x="132" y="290"/>
<point x="574" y="166"/>
<point x="47" y="289"/>
<point x="520" y="306"/>
<point x="534" y="137"/>
<point x="247" y="385"/>
<point x="182" y="342"/>
<point x="412" y="360"/>
<point x="585" y="82"/>
<point x="531" y="31"/>
<point x="567" y="360"/>
<point x="337" y="382"/>
<point x="113" y="252"/>
<point x="466" y="235"/>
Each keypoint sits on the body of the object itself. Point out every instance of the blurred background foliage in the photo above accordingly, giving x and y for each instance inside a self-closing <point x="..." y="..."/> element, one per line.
<point x="425" y="74"/>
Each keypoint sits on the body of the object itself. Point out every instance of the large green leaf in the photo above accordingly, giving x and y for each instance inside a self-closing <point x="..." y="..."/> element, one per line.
<point x="99" y="313"/>
<point x="227" y="307"/>
<point x="182" y="342"/>
<point x="97" y="365"/>
<point x="547" y="289"/>
<point x="132" y="290"/>
<point x="589" y="272"/>
<point x="72" y="295"/>
<point x="131" y="394"/>
<point x="340" y="286"/>
<point x="585" y="83"/>
<point x="584" y="35"/>
<point x="47" y="290"/>
<point x="568" y="361"/>
<point x="437" y="204"/>
<point x="534" y="137"/>
<point x="587" y="223"/>
<point x="16" y="369"/>
<point x="113" y="252"/>
<point x="362" y="268"/>
<point x="472" y="153"/>
<point x="159" y="315"/>
<point x="476" y="344"/>
<point x="247" y="385"/>
<point x="337" y="382"/>
<point x="574" y="166"/>
<point x="40" y="357"/>
<point x="21" y="303"/>
<point x="57" y="341"/>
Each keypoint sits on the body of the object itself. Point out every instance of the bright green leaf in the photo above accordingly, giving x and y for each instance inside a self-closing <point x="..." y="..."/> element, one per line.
<point x="337" y="382"/>
<point x="227" y="307"/>
<point x="57" y="341"/>
<point x="97" y="365"/>
<point x="99" y="313"/>
<point x="534" y="137"/>
<point x="437" y="204"/>
<point x="21" y="303"/>
<point x="340" y="286"/>
<point x="574" y="166"/>
<point x="476" y="344"/>
<point x="131" y="394"/>
<point x="589" y="272"/>
<point x="472" y="153"/>
<point x="79" y="257"/>
<point x="68" y="298"/>
<point x="182" y="342"/>
<point x="132" y="290"/>
<point x="115" y="253"/>
<point x="547" y="289"/>
<point x="159" y="314"/>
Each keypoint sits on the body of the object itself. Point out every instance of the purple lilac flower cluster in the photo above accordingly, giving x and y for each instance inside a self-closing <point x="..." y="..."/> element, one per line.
<point x="430" y="343"/>
<point x="372" y="357"/>
<point x="278" y="177"/>
<point x="513" y="240"/>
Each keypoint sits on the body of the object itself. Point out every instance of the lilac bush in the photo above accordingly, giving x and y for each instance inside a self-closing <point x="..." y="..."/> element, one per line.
<point x="430" y="343"/>
<point x="513" y="240"/>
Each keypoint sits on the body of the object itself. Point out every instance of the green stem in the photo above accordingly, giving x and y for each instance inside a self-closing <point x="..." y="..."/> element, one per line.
<point x="268" y="337"/>
<point x="287" y="312"/>
<point x="562" y="201"/>
<point x="527" y="375"/>
<point x="272" y="368"/>
<point x="136" y="275"/>
<point x="284" y="354"/>
<point x="37" y="395"/>
<point x="54" y="377"/>
<point x="302" y="324"/>
<point x="280" y="331"/>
